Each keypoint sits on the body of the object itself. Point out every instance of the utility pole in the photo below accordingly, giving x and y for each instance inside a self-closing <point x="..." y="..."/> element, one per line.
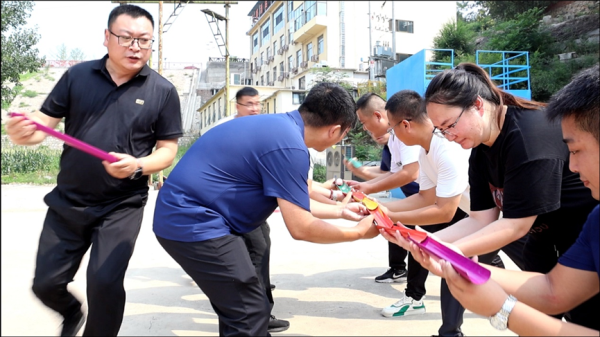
<point x="160" y="37"/>
<point x="393" y="34"/>
<point x="160" y="68"/>
<point x="370" y="46"/>
<point x="227" y="112"/>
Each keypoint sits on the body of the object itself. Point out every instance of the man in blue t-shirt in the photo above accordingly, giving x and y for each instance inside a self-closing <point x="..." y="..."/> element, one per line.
<point x="576" y="277"/>
<point x="230" y="181"/>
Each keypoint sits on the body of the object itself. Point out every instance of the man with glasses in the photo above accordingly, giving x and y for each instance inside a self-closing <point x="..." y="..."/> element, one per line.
<point x="258" y="241"/>
<point x="121" y="106"/>
<point x="404" y="170"/>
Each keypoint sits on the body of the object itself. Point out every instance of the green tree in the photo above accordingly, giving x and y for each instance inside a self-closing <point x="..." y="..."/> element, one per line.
<point x="522" y="33"/>
<point x="61" y="53"/>
<point x="77" y="55"/>
<point x="456" y="35"/>
<point x="18" y="52"/>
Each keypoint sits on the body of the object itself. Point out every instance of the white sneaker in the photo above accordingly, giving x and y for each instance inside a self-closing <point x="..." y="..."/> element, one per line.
<point x="406" y="306"/>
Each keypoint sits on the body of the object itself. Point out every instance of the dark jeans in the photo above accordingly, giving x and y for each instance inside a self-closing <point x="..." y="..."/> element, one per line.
<point x="222" y="268"/>
<point x="67" y="234"/>
<point x="258" y="242"/>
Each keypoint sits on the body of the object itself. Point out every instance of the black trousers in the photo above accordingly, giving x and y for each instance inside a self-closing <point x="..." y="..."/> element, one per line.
<point x="66" y="236"/>
<point x="452" y="310"/>
<point x="224" y="272"/>
<point x="258" y="243"/>
<point x="417" y="275"/>
<point x="396" y="254"/>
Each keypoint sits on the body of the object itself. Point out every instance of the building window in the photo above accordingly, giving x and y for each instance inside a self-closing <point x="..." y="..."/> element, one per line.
<point x="219" y="108"/>
<point x="290" y="62"/>
<point x="282" y="40"/>
<point x="274" y="47"/>
<point x="214" y="117"/>
<point x="268" y="78"/>
<point x="320" y="45"/>
<point x="262" y="58"/>
<point x="298" y="57"/>
<point x="281" y="68"/>
<point x="268" y="52"/>
<point x="267" y="107"/>
<point x="404" y="26"/>
<point x="274" y="105"/>
<point x="302" y="83"/>
<point x="215" y="110"/>
<point x="311" y="9"/>
<point x="290" y="11"/>
<point x="290" y="34"/>
<point x="279" y="21"/>
<point x="298" y="97"/>
<point x="266" y="36"/>
<point x="274" y="73"/>
<point x="255" y="43"/>
<point x="309" y="51"/>
<point x="299" y="15"/>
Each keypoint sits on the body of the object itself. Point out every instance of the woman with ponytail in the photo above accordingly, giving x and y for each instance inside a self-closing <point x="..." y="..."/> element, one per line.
<point x="519" y="166"/>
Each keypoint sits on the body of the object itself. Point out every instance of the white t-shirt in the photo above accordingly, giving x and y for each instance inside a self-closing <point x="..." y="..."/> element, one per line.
<point x="402" y="154"/>
<point x="445" y="167"/>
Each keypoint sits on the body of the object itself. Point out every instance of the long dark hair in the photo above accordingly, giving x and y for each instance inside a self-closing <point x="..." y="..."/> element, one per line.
<point x="461" y="86"/>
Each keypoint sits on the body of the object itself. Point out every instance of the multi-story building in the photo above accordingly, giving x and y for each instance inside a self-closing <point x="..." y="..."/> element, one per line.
<point x="291" y="40"/>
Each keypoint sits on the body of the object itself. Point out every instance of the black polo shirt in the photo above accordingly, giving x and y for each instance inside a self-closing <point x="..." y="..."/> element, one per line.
<point x="126" y="119"/>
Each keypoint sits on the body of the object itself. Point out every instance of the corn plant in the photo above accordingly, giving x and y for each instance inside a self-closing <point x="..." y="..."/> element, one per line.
<point x="27" y="160"/>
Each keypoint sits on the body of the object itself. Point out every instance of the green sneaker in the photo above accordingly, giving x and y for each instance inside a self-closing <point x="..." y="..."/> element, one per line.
<point x="406" y="306"/>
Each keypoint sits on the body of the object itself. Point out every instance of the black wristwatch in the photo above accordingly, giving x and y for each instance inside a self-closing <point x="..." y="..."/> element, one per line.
<point x="139" y="172"/>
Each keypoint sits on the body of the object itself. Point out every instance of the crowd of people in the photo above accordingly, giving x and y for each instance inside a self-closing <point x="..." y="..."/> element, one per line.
<point x="482" y="169"/>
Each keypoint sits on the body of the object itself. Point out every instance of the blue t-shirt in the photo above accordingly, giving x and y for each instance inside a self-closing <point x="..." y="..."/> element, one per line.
<point x="230" y="179"/>
<point x="584" y="254"/>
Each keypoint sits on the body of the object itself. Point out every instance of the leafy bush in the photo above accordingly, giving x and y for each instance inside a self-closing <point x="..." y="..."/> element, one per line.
<point x="28" y="160"/>
<point x="520" y="34"/>
<point x="319" y="173"/>
<point x="455" y="35"/>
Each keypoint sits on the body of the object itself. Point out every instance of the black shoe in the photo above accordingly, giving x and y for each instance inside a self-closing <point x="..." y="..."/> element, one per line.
<point x="277" y="325"/>
<point x="72" y="324"/>
<point x="392" y="275"/>
<point x="272" y="287"/>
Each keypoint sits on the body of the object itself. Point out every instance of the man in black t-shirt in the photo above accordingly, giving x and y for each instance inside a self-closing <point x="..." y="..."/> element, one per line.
<point x="120" y="105"/>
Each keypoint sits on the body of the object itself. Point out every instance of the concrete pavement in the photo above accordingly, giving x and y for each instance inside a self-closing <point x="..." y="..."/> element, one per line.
<point x="321" y="289"/>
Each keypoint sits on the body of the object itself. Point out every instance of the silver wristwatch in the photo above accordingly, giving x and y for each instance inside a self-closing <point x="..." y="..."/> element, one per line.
<point x="500" y="320"/>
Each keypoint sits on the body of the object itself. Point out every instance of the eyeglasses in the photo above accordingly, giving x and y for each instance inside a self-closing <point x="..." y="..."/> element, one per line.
<point x="251" y="105"/>
<point x="127" y="41"/>
<point x="391" y="129"/>
<point x="443" y="133"/>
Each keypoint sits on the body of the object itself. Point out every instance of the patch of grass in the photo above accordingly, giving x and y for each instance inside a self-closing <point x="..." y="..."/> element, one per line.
<point x="49" y="78"/>
<point x="28" y="75"/>
<point x="33" y="178"/>
<point x="29" y="93"/>
<point x="23" y="104"/>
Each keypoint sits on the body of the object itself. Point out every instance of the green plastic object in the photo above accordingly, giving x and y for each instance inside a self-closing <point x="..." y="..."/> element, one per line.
<point x="354" y="162"/>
